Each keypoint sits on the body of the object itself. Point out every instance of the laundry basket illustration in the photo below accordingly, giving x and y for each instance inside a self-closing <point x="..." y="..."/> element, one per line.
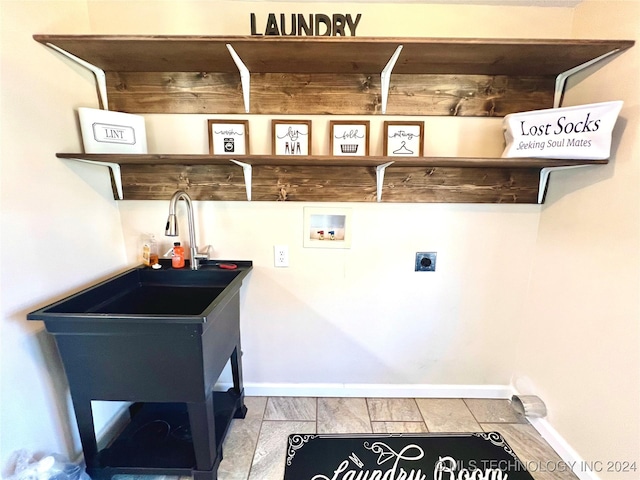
<point x="349" y="147"/>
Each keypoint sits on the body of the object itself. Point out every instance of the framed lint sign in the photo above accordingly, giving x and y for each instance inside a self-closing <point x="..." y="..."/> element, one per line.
<point x="291" y="137"/>
<point x="104" y="131"/>
<point x="327" y="227"/>
<point x="403" y="139"/>
<point x="228" y="137"/>
<point x="349" y="138"/>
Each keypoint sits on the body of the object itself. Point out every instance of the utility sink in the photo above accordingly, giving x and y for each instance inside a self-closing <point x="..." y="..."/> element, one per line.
<point x="145" y="294"/>
<point x="159" y="339"/>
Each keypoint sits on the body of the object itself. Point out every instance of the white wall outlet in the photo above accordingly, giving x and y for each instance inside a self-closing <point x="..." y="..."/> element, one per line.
<point x="280" y="255"/>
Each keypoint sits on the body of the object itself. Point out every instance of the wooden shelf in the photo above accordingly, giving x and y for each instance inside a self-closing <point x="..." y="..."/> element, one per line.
<point x="330" y="75"/>
<point x="335" y="179"/>
<point x="123" y="53"/>
<point x="326" y="161"/>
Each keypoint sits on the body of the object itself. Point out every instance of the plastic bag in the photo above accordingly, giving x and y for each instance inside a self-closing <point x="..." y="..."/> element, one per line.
<point x="48" y="467"/>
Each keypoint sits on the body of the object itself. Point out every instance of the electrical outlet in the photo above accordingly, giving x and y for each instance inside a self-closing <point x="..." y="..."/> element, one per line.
<point x="280" y="255"/>
<point x="426" y="261"/>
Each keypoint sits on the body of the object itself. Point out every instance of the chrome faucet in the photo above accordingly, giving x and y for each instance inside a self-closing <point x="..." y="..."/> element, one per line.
<point x="171" y="230"/>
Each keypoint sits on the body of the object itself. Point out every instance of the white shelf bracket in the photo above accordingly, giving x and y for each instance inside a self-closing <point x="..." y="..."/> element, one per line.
<point x="385" y="78"/>
<point x="245" y="76"/>
<point x="380" y="180"/>
<point x="101" y="79"/>
<point x="115" y="170"/>
<point x="544" y="178"/>
<point x="561" y="79"/>
<point x="246" y="170"/>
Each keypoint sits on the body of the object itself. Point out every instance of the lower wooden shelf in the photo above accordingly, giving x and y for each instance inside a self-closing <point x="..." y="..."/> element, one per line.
<point x="330" y="179"/>
<point x="158" y="440"/>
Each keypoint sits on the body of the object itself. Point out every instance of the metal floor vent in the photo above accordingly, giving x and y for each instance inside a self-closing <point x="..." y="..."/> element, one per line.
<point x="529" y="406"/>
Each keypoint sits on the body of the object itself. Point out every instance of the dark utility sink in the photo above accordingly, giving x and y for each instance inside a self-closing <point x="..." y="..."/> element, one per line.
<point x="159" y="339"/>
<point x="146" y="294"/>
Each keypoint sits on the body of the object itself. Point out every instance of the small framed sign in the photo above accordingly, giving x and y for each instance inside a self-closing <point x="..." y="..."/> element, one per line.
<point x="403" y="139"/>
<point x="291" y="137"/>
<point x="228" y="137"/>
<point x="349" y="138"/>
<point x="104" y="131"/>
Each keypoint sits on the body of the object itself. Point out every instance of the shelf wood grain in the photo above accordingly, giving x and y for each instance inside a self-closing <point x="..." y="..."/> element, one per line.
<point x="331" y="179"/>
<point x="330" y="75"/>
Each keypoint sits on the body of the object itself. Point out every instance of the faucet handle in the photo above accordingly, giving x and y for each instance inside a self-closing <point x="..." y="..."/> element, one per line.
<point x="203" y="253"/>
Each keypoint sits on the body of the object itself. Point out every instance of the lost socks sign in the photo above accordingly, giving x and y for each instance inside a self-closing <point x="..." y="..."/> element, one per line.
<point x="298" y="24"/>
<point x="579" y="132"/>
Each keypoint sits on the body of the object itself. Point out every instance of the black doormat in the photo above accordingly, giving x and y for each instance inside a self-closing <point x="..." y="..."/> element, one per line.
<point x="449" y="456"/>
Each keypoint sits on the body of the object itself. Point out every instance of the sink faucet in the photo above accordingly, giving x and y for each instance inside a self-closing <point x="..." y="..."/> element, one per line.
<point x="171" y="230"/>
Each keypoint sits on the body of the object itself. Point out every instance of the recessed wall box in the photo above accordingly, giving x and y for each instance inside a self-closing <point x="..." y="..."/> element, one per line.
<point x="426" y="261"/>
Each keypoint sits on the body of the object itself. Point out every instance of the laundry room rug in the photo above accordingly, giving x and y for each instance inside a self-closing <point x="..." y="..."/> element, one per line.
<point x="437" y="456"/>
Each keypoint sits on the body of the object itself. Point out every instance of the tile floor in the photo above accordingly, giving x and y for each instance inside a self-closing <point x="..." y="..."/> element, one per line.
<point x="255" y="446"/>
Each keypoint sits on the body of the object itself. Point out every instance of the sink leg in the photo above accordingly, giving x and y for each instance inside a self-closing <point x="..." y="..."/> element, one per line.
<point x="209" y="475"/>
<point x="203" y="433"/>
<point x="236" y="369"/>
<point x="84" y="418"/>
<point x="236" y="372"/>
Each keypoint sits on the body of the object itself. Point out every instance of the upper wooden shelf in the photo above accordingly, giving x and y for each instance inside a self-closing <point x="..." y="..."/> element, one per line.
<point x="161" y="53"/>
<point x="330" y="75"/>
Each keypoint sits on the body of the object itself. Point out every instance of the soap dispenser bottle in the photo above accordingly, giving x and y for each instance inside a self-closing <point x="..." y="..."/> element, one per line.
<point x="177" y="260"/>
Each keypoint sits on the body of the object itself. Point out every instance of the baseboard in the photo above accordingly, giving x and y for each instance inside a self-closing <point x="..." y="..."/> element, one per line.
<point x="582" y="469"/>
<point x="373" y="390"/>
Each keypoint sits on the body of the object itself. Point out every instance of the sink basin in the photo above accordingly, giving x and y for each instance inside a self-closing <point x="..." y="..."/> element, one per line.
<point x="146" y="294"/>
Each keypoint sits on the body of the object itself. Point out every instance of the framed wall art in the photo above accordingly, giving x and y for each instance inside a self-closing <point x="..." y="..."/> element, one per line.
<point x="104" y="131"/>
<point x="228" y="137"/>
<point x="349" y="138"/>
<point x="403" y="139"/>
<point x="327" y="227"/>
<point x="291" y="137"/>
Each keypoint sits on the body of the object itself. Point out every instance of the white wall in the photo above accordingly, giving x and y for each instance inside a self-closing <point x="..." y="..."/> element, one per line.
<point x="60" y="225"/>
<point x="361" y="315"/>
<point x="581" y="334"/>
<point x="411" y="19"/>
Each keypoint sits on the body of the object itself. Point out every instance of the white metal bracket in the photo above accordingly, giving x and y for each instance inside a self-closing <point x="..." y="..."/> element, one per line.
<point x="544" y="178"/>
<point x="101" y="79"/>
<point x="561" y="79"/>
<point x="245" y="76"/>
<point x="115" y="170"/>
<point x="380" y="179"/>
<point x="246" y="170"/>
<point x="385" y="77"/>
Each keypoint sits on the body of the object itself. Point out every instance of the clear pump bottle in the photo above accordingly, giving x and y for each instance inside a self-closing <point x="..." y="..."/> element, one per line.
<point x="150" y="251"/>
<point x="153" y="251"/>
